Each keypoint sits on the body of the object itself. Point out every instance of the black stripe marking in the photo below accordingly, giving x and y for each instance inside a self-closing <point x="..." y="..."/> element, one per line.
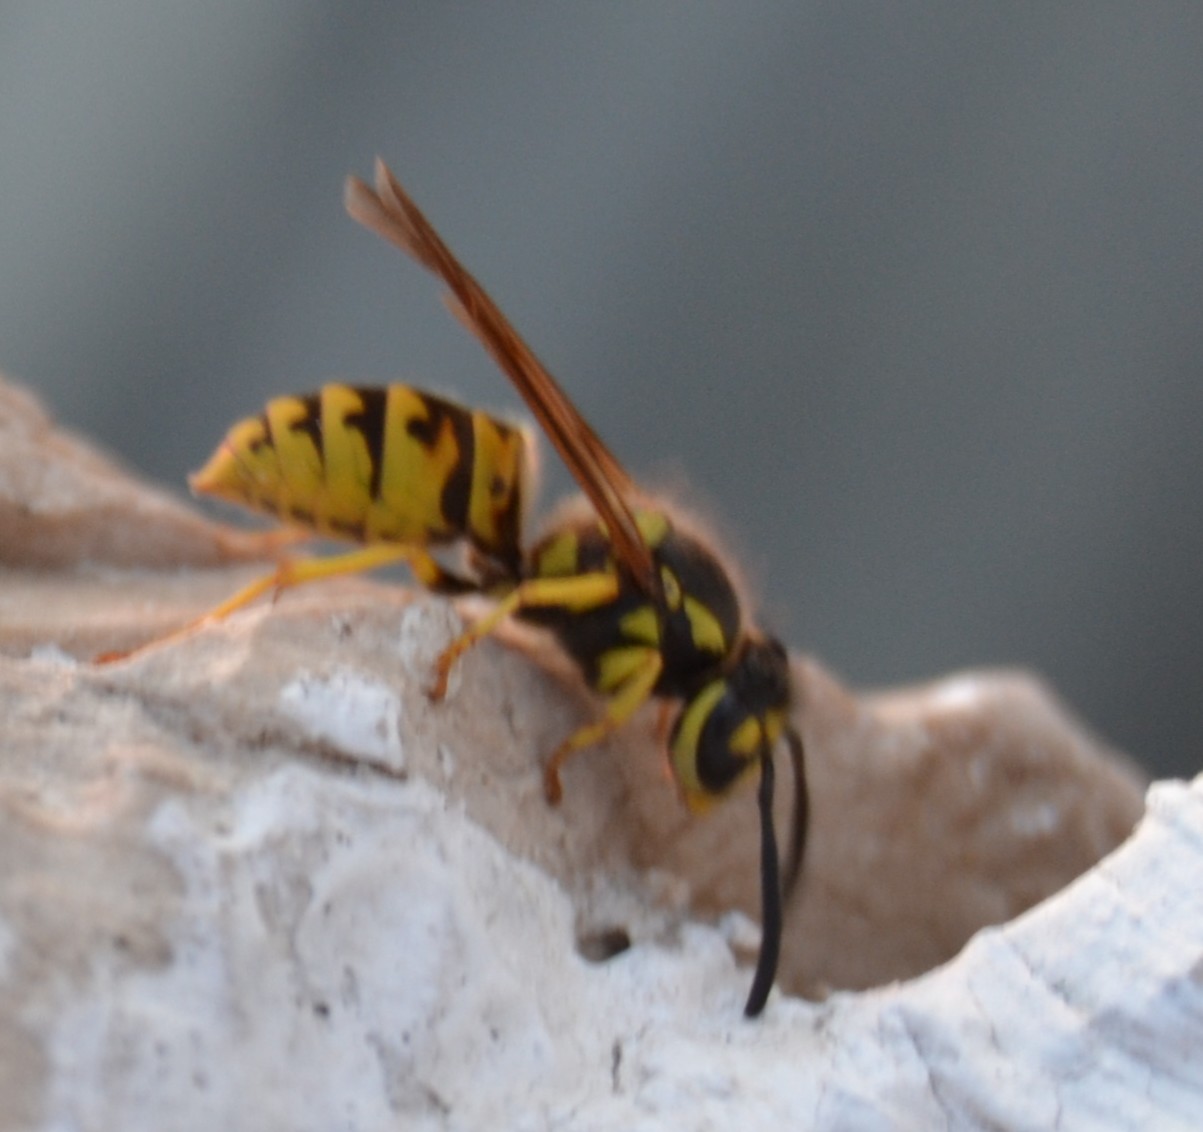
<point x="369" y="422"/>
<point x="457" y="491"/>
<point x="263" y="440"/>
<point x="309" y="425"/>
<point x="426" y="431"/>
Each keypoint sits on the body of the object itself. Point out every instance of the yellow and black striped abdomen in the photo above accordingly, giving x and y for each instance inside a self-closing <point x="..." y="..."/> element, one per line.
<point x="391" y="464"/>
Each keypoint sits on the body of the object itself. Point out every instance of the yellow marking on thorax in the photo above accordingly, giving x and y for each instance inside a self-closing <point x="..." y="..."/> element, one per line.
<point x="616" y="666"/>
<point x="641" y="625"/>
<point x="653" y="526"/>
<point x="704" y="627"/>
<point x="671" y="587"/>
<point x="560" y="556"/>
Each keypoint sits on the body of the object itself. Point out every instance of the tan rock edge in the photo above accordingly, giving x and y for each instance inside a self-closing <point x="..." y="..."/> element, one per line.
<point x="936" y="810"/>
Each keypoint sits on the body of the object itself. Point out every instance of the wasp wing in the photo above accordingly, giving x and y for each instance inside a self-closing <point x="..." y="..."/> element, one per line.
<point x="389" y="212"/>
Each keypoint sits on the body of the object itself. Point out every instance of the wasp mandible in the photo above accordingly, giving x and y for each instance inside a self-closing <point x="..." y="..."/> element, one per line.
<point x="628" y="587"/>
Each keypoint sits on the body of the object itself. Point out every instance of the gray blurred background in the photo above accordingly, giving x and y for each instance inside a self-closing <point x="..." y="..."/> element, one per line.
<point x="911" y="297"/>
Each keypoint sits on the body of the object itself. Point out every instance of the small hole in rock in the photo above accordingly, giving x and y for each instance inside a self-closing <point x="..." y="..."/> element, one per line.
<point x="603" y="944"/>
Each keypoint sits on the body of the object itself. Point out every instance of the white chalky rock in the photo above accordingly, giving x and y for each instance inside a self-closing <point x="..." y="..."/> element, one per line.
<point x="255" y="879"/>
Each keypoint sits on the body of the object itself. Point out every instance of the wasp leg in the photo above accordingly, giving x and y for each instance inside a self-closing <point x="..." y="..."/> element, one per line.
<point x="577" y="593"/>
<point x="297" y="571"/>
<point x="236" y="543"/>
<point x="643" y="667"/>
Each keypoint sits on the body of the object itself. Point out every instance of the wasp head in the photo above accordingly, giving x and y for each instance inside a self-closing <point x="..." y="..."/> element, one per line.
<point x="730" y="726"/>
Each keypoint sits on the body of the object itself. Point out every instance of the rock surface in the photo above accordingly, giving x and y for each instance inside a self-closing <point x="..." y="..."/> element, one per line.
<point x="254" y="878"/>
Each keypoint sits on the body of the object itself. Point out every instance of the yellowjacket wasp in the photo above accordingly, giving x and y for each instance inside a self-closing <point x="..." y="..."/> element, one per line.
<point x="633" y="594"/>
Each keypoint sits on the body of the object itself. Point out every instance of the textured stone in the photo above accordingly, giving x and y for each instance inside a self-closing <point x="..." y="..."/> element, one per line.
<point x="253" y="878"/>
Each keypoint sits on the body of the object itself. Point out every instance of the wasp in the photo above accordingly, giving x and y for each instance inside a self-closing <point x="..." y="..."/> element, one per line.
<point x="632" y="592"/>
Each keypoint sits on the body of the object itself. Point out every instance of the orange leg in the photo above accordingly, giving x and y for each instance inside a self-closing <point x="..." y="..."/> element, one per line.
<point x="627" y="699"/>
<point x="577" y="592"/>
<point x="295" y="572"/>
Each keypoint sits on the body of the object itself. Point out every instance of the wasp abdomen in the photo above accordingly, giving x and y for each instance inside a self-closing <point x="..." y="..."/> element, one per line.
<point x="389" y="464"/>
